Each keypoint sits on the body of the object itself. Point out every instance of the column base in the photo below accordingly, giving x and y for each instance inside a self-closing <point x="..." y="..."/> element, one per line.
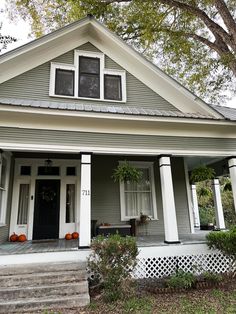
<point x="84" y="247"/>
<point x="172" y="242"/>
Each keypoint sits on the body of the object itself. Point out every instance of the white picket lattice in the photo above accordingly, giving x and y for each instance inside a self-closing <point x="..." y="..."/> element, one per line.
<point x="158" y="267"/>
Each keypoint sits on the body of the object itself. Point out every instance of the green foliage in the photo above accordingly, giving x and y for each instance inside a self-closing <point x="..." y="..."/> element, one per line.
<point x="207" y="216"/>
<point x="212" y="277"/>
<point x="112" y="261"/>
<point x="126" y="172"/>
<point x="5" y="40"/>
<point x="138" y="305"/>
<point x="176" y="36"/>
<point x="182" y="280"/>
<point x="225" y="241"/>
<point x="202" y="173"/>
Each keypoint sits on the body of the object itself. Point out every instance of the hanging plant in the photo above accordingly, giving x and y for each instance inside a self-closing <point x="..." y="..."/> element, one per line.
<point x="202" y="173"/>
<point x="126" y="172"/>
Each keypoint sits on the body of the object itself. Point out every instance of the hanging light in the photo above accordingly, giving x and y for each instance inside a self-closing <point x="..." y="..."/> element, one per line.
<point x="48" y="163"/>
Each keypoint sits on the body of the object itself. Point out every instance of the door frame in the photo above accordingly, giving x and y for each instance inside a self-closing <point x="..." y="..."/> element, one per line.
<point x="31" y="180"/>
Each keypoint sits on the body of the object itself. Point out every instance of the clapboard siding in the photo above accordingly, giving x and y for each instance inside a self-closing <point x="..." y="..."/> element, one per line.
<point x="34" y="84"/>
<point x="124" y="141"/>
<point x="106" y="194"/>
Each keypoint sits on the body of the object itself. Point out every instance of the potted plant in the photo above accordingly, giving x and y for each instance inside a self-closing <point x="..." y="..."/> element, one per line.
<point x="126" y="172"/>
<point x="144" y="219"/>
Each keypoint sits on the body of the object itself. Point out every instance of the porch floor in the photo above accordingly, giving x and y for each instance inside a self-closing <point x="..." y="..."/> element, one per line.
<point x="9" y="248"/>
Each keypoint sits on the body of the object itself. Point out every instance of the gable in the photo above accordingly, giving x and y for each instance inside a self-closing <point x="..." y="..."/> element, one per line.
<point x="34" y="85"/>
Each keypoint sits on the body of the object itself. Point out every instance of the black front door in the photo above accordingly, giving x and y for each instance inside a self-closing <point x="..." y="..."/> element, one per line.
<point x="46" y="209"/>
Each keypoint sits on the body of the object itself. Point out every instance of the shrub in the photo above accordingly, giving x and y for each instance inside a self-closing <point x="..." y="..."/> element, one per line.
<point x="112" y="260"/>
<point x="212" y="277"/>
<point x="181" y="279"/>
<point x="225" y="242"/>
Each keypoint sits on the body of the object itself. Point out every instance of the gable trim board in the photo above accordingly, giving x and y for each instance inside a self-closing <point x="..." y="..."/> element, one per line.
<point x="52" y="45"/>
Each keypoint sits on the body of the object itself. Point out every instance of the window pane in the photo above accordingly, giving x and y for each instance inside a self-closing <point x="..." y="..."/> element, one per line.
<point x="70" y="171"/>
<point x="70" y="203"/>
<point x="89" y="86"/>
<point x="137" y="203"/>
<point x="89" y="65"/>
<point x="143" y="185"/>
<point x="48" y="171"/>
<point x="112" y="87"/>
<point x="64" y="84"/>
<point x="23" y="204"/>
<point x="25" y="170"/>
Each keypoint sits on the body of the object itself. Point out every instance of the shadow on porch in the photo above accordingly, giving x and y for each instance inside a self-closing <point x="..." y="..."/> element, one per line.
<point x="43" y="246"/>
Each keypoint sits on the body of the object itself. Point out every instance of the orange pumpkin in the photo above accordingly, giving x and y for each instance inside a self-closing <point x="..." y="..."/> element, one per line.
<point x="14" y="237"/>
<point x="68" y="236"/>
<point x="75" y="235"/>
<point x="22" y="238"/>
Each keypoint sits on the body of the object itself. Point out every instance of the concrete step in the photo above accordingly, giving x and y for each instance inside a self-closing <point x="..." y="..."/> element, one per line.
<point x="41" y="268"/>
<point x="37" y="304"/>
<point x="59" y="290"/>
<point x="33" y="279"/>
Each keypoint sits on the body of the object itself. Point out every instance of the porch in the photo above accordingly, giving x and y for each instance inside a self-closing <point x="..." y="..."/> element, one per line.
<point x="61" y="245"/>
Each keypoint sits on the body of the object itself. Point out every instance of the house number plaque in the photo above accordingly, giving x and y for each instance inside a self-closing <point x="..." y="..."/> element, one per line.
<point x="86" y="192"/>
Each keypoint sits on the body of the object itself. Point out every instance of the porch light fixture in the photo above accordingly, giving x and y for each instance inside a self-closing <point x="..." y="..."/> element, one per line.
<point x="48" y="163"/>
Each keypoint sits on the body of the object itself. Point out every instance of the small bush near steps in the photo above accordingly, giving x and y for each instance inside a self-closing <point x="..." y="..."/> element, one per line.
<point x="111" y="262"/>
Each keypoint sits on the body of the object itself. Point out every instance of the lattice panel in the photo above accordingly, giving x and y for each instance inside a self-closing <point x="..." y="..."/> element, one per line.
<point x="158" y="267"/>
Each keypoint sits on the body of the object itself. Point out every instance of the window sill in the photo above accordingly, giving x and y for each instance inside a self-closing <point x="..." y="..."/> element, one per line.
<point x="2" y="225"/>
<point x="138" y="219"/>
<point x="86" y="98"/>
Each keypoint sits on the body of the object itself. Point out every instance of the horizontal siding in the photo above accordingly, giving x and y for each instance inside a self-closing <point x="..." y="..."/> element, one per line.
<point x="106" y="195"/>
<point x="87" y="139"/>
<point x="4" y="231"/>
<point x="34" y="84"/>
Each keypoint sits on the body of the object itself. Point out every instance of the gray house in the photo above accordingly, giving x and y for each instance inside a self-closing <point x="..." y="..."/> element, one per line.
<point x="74" y="105"/>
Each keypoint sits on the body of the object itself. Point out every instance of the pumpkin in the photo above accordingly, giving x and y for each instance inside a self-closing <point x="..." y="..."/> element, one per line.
<point x="22" y="238"/>
<point x="75" y="235"/>
<point x="14" y="237"/>
<point x="68" y="236"/>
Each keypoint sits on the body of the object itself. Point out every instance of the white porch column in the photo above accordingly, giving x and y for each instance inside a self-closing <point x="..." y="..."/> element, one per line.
<point x="169" y="212"/>
<point x="220" y="221"/>
<point x="232" y="171"/>
<point x="85" y="201"/>
<point x="195" y="206"/>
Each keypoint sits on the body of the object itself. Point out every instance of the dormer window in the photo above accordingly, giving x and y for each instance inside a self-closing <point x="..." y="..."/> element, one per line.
<point x="87" y="78"/>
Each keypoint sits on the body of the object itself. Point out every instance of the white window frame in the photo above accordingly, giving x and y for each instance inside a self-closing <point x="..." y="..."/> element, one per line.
<point x="75" y="67"/>
<point x="139" y="164"/>
<point x="5" y="188"/>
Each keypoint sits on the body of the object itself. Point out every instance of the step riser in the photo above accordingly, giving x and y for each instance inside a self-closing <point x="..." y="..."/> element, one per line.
<point x="42" y="268"/>
<point x="34" y="292"/>
<point x="77" y="301"/>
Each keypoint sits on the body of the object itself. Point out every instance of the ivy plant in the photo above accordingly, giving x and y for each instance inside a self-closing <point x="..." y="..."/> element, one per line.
<point x="126" y="172"/>
<point x="202" y="173"/>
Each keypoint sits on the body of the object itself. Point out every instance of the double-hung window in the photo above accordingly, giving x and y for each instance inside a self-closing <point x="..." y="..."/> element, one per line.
<point x="139" y="197"/>
<point x="87" y="78"/>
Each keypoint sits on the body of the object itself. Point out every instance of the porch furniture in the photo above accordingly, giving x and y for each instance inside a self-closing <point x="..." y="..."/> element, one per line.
<point x="123" y="230"/>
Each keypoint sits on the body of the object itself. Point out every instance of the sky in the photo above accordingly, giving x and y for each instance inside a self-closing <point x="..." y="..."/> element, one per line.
<point x="20" y="29"/>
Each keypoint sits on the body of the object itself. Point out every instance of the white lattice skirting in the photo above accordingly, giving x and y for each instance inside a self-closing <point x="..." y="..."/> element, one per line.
<point x="156" y="266"/>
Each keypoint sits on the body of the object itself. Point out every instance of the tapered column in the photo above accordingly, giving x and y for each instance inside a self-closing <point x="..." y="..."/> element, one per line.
<point x="195" y="206"/>
<point x="85" y="202"/>
<point x="232" y="171"/>
<point x="220" y="221"/>
<point x="168" y="202"/>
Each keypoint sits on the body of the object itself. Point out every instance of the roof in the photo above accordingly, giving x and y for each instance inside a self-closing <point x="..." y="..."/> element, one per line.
<point x="113" y="109"/>
<point x="228" y="112"/>
<point x="48" y="47"/>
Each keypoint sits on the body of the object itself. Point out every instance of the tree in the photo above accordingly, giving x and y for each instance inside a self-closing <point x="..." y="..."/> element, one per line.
<point x="5" y="39"/>
<point x="192" y="40"/>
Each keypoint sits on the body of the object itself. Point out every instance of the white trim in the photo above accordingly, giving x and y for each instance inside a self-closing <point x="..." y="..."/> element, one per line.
<point x="75" y="68"/>
<point x="189" y="199"/>
<point x="139" y="164"/>
<point x="5" y="190"/>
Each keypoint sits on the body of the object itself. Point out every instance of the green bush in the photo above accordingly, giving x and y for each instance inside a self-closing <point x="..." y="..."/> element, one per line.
<point x="112" y="260"/>
<point x="207" y="216"/>
<point x="181" y="279"/>
<point x="212" y="277"/>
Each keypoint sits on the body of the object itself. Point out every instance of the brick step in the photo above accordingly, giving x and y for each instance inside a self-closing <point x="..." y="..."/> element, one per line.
<point x="41" y="268"/>
<point x="34" y="304"/>
<point x="33" y="279"/>
<point x="56" y="290"/>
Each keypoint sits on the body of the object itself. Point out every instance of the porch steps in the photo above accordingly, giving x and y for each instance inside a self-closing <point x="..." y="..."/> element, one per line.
<point x="31" y="288"/>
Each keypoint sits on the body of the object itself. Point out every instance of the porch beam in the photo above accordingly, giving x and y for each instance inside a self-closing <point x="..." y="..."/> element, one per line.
<point x="168" y="201"/>
<point x="220" y="221"/>
<point x="195" y="207"/>
<point x="85" y="202"/>
<point x="232" y="171"/>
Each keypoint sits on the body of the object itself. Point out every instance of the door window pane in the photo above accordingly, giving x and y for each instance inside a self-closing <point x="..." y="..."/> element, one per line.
<point x="70" y="171"/>
<point x="64" y="84"/>
<point x="112" y="87"/>
<point x="23" y="206"/>
<point x="70" y="203"/>
<point x="48" y="171"/>
<point x="25" y="170"/>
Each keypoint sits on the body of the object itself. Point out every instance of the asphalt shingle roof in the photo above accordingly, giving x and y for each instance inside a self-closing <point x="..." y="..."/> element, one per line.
<point x="227" y="112"/>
